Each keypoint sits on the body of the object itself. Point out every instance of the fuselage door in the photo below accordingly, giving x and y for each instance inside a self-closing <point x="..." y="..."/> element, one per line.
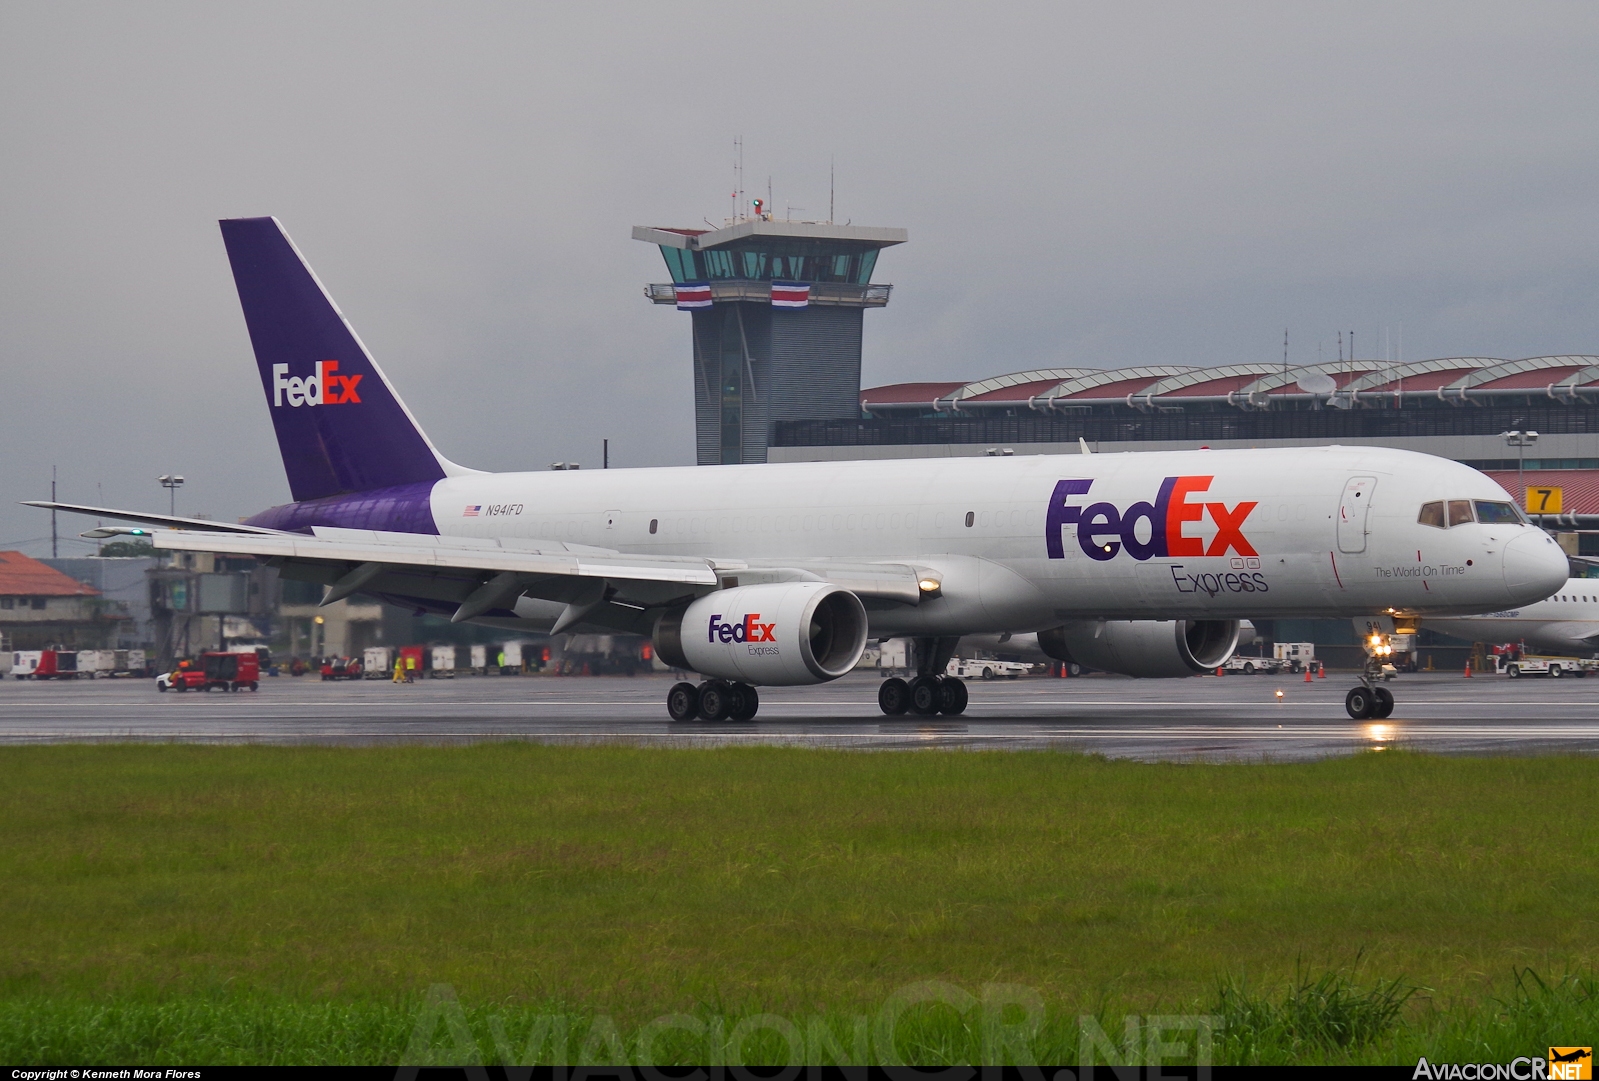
<point x="1353" y="510"/>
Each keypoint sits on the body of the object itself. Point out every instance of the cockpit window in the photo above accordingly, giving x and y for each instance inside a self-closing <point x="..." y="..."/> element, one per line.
<point x="1459" y="511"/>
<point x="1431" y="514"/>
<point x="1497" y="513"/>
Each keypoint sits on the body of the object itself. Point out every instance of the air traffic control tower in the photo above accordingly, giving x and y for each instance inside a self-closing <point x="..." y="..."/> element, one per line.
<point x="777" y="309"/>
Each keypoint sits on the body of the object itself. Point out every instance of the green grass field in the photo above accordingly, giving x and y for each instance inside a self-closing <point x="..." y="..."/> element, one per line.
<point x="211" y="904"/>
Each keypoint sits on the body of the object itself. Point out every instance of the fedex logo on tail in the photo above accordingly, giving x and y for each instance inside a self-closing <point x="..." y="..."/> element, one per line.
<point x="747" y="629"/>
<point x="324" y="387"/>
<point x="1103" y="529"/>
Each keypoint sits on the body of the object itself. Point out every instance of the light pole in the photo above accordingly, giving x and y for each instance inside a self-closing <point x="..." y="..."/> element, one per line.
<point x="171" y="482"/>
<point x="1521" y="441"/>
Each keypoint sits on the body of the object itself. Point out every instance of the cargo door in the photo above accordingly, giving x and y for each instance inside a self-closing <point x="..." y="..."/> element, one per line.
<point x="1353" y="510"/>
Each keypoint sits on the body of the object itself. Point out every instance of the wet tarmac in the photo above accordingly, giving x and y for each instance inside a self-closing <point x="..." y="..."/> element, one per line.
<point x="1234" y="717"/>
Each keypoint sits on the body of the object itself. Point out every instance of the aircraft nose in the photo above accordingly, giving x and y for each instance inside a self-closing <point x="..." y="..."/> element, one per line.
<point x="1535" y="567"/>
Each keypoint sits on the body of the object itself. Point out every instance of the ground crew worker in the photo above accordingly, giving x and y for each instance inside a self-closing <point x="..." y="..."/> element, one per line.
<point x="399" y="669"/>
<point x="410" y="669"/>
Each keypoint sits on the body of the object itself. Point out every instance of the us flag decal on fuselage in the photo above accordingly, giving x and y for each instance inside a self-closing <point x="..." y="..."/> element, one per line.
<point x="471" y="511"/>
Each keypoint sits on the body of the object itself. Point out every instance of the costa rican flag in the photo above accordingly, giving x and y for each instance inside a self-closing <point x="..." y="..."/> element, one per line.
<point x="791" y="295"/>
<point x="691" y="295"/>
<point x="471" y="511"/>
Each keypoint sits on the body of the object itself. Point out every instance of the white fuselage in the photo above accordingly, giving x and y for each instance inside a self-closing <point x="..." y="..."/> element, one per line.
<point x="1567" y="622"/>
<point x="1328" y="531"/>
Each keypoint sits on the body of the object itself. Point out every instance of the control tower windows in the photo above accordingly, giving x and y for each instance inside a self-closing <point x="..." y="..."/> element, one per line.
<point x="775" y="261"/>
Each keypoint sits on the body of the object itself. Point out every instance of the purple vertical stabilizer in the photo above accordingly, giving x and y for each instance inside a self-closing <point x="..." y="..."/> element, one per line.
<point x="341" y="428"/>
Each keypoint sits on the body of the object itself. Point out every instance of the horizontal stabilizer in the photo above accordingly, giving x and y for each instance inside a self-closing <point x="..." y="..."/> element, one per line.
<point x="164" y="521"/>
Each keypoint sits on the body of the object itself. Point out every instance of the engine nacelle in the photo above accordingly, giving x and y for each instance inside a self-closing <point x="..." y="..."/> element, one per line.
<point x="779" y="635"/>
<point x="1147" y="648"/>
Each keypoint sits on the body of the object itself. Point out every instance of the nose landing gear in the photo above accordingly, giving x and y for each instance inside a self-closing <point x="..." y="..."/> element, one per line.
<point x="1366" y="702"/>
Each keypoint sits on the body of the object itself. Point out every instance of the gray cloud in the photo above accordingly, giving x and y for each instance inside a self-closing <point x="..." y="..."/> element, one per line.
<point x="1084" y="184"/>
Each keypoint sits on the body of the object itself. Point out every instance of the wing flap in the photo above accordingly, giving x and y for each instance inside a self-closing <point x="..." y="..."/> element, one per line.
<point x="424" y="551"/>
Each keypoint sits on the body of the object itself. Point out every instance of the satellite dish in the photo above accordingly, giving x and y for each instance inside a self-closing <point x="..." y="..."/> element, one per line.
<point x="1317" y="383"/>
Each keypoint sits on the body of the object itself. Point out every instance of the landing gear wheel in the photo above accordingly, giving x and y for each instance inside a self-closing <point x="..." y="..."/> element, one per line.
<point x="683" y="702"/>
<point x="1359" y="703"/>
<point x="894" y="696"/>
<point x="744" y="701"/>
<point x="925" y="695"/>
<point x="716" y="700"/>
<point x="951" y="696"/>
<point x="1385" y="703"/>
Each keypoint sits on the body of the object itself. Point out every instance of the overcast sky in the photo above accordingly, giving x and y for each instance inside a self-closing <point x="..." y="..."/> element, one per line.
<point x="1084" y="184"/>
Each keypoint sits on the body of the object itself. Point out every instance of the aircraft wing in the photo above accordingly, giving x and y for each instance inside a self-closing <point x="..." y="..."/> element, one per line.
<point x="479" y="577"/>
<point x="165" y="521"/>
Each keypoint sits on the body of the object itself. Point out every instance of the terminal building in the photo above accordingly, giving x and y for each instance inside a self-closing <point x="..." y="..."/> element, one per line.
<point x="1455" y="407"/>
<point x="778" y="309"/>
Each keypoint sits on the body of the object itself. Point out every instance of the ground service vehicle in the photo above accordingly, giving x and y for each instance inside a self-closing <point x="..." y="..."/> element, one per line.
<point x="442" y="664"/>
<point x="1251" y="665"/>
<point x="377" y="662"/>
<point x="231" y="671"/>
<point x="1137" y="563"/>
<point x="187" y="675"/>
<point x="1520" y="664"/>
<point x="47" y="664"/>
<point x="962" y="668"/>
<point x="1295" y="656"/>
<point x="411" y="661"/>
<point x="341" y="668"/>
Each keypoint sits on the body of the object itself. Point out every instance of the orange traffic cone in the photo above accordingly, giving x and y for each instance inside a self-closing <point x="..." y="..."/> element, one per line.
<point x="1221" y="671"/>
<point x="1307" y="675"/>
<point x="1468" y="669"/>
<point x="1321" y="671"/>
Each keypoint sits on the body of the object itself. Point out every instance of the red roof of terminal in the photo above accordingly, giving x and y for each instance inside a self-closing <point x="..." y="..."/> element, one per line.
<point x="1579" y="487"/>
<point x="23" y="576"/>
<point x="1536" y="379"/>
<point x="1216" y="386"/>
<point x="1018" y="392"/>
<point x="910" y="392"/>
<point x="1426" y="380"/>
<point x="1119" y="389"/>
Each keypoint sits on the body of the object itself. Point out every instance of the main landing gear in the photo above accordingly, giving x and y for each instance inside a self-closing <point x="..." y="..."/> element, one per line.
<point x="930" y="692"/>
<point x="925" y="695"/>
<point x="713" y="700"/>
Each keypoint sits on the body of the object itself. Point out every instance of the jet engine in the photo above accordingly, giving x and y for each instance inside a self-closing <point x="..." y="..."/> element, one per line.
<point x="1147" y="648"/>
<point x="778" y="635"/>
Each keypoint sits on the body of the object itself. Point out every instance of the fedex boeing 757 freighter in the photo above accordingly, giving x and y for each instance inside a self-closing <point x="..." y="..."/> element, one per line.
<point x="778" y="575"/>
